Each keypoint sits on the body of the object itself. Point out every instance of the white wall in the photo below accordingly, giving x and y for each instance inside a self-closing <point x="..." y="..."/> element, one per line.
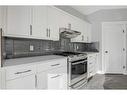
<point x="104" y="16"/>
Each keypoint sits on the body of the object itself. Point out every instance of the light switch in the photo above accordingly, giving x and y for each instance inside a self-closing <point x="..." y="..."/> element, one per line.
<point x="31" y="48"/>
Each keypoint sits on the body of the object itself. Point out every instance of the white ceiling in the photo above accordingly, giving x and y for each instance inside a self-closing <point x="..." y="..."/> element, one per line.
<point x="86" y="10"/>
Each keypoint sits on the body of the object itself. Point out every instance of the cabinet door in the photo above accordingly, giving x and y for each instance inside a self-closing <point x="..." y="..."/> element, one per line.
<point x="53" y="23"/>
<point x="27" y="82"/>
<point x="57" y="78"/>
<point x="42" y="80"/>
<point x="78" y="26"/>
<point x="52" y="79"/>
<point x="1" y="16"/>
<point x="89" y="30"/>
<point x="39" y="22"/>
<point x="18" y="21"/>
<point x="3" y="19"/>
<point x="0" y="79"/>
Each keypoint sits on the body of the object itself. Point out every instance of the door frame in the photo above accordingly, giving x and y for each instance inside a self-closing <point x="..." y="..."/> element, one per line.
<point x="103" y="45"/>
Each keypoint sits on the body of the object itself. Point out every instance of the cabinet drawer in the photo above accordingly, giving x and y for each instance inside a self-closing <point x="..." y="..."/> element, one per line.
<point x="51" y="64"/>
<point x="16" y="72"/>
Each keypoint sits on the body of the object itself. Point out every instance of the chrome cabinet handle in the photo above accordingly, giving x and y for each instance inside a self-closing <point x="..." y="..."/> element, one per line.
<point x="47" y="32"/>
<point x="55" y="64"/>
<point x="87" y="39"/>
<point x="55" y="76"/>
<point x="36" y="81"/>
<point x="23" y="72"/>
<point x="69" y="26"/>
<point x="30" y="29"/>
<point x="82" y="37"/>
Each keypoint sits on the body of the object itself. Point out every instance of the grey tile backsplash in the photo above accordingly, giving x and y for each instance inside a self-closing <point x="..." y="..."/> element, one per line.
<point x="20" y="47"/>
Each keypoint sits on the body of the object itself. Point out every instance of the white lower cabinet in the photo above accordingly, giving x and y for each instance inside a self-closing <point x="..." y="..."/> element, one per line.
<point x="2" y="78"/>
<point x="44" y="75"/>
<point x="92" y="65"/>
<point x="20" y="77"/>
<point x="52" y="79"/>
<point x="42" y="80"/>
<point x="27" y="82"/>
<point x="54" y="75"/>
<point x="57" y="78"/>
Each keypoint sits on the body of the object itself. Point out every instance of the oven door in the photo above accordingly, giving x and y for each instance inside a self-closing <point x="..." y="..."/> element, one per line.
<point x="78" y="71"/>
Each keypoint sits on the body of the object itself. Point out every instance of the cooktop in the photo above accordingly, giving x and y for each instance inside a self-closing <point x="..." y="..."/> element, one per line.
<point x="67" y="53"/>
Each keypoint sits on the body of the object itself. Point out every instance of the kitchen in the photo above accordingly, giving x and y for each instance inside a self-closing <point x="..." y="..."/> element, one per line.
<point x="56" y="47"/>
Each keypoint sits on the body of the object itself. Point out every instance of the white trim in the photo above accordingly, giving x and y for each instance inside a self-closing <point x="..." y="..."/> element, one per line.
<point x="100" y="72"/>
<point x="102" y="43"/>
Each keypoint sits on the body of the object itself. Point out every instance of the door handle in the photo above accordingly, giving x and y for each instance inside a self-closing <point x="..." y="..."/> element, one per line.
<point x="106" y="51"/>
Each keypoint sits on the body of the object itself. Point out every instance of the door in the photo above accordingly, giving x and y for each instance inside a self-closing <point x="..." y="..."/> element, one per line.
<point x="27" y="82"/>
<point x="39" y="22"/>
<point x="18" y="21"/>
<point x="114" y="48"/>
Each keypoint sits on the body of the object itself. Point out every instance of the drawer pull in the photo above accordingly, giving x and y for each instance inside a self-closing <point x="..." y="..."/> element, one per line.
<point x="23" y="72"/>
<point x="55" y="76"/>
<point x="90" y="63"/>
<point x="55" y="65"/>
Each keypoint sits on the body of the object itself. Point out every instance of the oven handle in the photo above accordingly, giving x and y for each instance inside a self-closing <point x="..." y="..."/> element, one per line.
<point x="78" y="62"/>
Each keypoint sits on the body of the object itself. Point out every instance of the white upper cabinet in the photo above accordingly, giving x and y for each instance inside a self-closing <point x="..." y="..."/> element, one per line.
<point x="1" y="15"/>
<point x="89" y="30"/>
<point x="84" y="28"/>
<point x="3" y="18"/>
<point x="18" y="21"/>
<point x="53" y="23"/>
<point x="39" y="22"/>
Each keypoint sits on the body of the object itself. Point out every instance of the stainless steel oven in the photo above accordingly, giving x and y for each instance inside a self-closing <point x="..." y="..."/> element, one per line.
<point x="77" y="69"/>
<point x="77" y="72"/>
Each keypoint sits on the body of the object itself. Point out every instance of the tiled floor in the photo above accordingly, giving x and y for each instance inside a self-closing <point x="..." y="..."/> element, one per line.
<point x="95" y="83"/>
<point x="109" y="81"/>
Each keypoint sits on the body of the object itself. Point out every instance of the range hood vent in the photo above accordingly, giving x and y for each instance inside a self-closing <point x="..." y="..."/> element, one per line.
<point x="68" y="33"/>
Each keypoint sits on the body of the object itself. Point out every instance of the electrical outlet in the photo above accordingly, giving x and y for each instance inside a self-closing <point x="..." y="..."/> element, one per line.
<point x="31" y="48"/>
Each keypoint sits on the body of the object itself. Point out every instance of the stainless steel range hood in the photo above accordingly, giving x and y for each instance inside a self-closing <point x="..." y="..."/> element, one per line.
<point x="68" y="33"/>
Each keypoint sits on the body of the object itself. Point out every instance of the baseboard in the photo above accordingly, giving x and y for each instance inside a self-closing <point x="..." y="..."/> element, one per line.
<point x="100" y="72"/>
<point x="125" y="73"/>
